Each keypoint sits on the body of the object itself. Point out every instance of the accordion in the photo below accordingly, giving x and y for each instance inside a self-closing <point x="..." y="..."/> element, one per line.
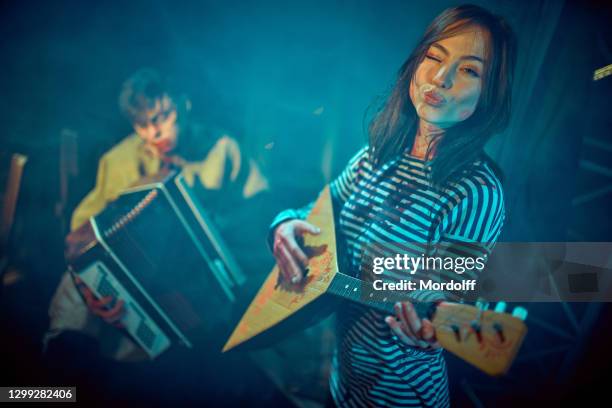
<point x="156" y="248"/>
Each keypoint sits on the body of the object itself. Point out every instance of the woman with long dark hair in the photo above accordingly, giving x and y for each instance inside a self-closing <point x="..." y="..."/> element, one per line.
<point x="422" y="180"/>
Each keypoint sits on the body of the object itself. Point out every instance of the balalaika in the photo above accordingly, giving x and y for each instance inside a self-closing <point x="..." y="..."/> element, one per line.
<point x="488" y="339"/>
<point x="156" y="248"/>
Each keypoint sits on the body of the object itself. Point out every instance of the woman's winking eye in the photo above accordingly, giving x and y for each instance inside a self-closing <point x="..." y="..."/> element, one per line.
<point x="433" y="57"/>
<point x="471" y="71"/>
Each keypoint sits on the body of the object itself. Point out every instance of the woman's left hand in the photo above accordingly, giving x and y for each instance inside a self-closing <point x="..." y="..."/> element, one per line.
<point x="410" y="329"/>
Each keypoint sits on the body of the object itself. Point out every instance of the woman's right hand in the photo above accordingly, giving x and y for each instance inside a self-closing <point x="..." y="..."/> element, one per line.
<point x="100" y="307"/>
<point x="290" y="257"/>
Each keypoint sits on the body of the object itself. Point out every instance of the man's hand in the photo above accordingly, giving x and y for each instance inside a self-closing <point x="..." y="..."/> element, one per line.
<point x="410" y="329"/>
<point x="291" y="259"/>
<point x="102" y="307"/>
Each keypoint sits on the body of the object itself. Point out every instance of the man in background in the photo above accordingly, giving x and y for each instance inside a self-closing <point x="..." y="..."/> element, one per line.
<point x="211" y="161"/>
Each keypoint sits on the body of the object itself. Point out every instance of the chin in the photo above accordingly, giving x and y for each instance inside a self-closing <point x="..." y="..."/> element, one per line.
<point x="433" y="119"/>
<point x="440" y="120"/>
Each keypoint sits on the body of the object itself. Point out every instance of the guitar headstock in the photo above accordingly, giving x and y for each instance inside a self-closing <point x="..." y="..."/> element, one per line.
<point x="487" y="339"/>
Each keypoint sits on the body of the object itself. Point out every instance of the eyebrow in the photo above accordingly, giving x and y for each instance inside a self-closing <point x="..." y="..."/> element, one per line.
<point x="467" y="57"/>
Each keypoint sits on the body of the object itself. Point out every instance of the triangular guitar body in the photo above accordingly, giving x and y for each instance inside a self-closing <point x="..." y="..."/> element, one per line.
<point x="276" y="301"/>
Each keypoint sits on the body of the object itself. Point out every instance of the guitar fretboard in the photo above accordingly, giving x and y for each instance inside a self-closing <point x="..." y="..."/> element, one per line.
<point x="356" y="290"/>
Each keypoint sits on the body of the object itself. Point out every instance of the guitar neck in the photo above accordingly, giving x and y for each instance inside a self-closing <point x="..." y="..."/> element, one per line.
<point x="464" y="330"/>
<point x="350" y="288"/>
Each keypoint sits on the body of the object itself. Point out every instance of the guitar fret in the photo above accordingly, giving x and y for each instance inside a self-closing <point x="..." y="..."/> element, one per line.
<point x="350" y="288"/>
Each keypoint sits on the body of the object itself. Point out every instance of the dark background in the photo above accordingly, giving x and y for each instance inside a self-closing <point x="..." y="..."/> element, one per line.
<point x="292" y="81"/>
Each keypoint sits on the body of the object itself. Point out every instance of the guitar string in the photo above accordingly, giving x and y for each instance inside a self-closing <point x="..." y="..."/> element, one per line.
<point x="452" y="318"/>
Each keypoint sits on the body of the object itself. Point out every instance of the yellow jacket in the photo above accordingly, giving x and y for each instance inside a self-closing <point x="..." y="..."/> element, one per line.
<point x="124" y="165"/>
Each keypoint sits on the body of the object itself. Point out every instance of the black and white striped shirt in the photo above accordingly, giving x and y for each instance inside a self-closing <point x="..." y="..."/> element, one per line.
<point x="396" y="204"/>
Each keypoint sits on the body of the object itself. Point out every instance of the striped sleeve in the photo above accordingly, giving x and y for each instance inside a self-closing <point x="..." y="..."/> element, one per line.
<point x="344" y="185"/>
<point x="341" y="189"/>
<point x="471" y="228"/>
<point x="479" y="215"/>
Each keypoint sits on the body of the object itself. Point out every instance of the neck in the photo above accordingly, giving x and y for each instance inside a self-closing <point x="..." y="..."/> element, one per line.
<point x="426" y="132"/>
<point x="356" y="290"/>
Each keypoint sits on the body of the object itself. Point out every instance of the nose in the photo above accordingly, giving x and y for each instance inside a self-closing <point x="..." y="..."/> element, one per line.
<point x="442" y="78"/>
<point x="157" y="130"/>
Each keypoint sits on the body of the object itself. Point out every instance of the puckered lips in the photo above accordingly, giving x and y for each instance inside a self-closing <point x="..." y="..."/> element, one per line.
<point x="164" y="145"/>
<point x="434" y="98"/>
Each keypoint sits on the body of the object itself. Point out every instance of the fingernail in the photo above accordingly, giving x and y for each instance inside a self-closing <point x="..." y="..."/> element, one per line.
<point x="295" y="279"/>
<point x="317" y="229"/>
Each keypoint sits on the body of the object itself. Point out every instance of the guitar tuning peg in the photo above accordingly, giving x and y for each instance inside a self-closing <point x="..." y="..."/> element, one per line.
<point x="482" y="304"/>
<point x="500" y="307"/>
<point x="456" y="331"/>
<point x="475" y="325"/>
<point x="520" y="313"/>
<point x="500" y="332"/>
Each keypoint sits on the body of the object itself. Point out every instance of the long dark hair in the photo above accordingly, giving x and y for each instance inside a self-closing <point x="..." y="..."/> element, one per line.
<point x="394" y="126"/>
